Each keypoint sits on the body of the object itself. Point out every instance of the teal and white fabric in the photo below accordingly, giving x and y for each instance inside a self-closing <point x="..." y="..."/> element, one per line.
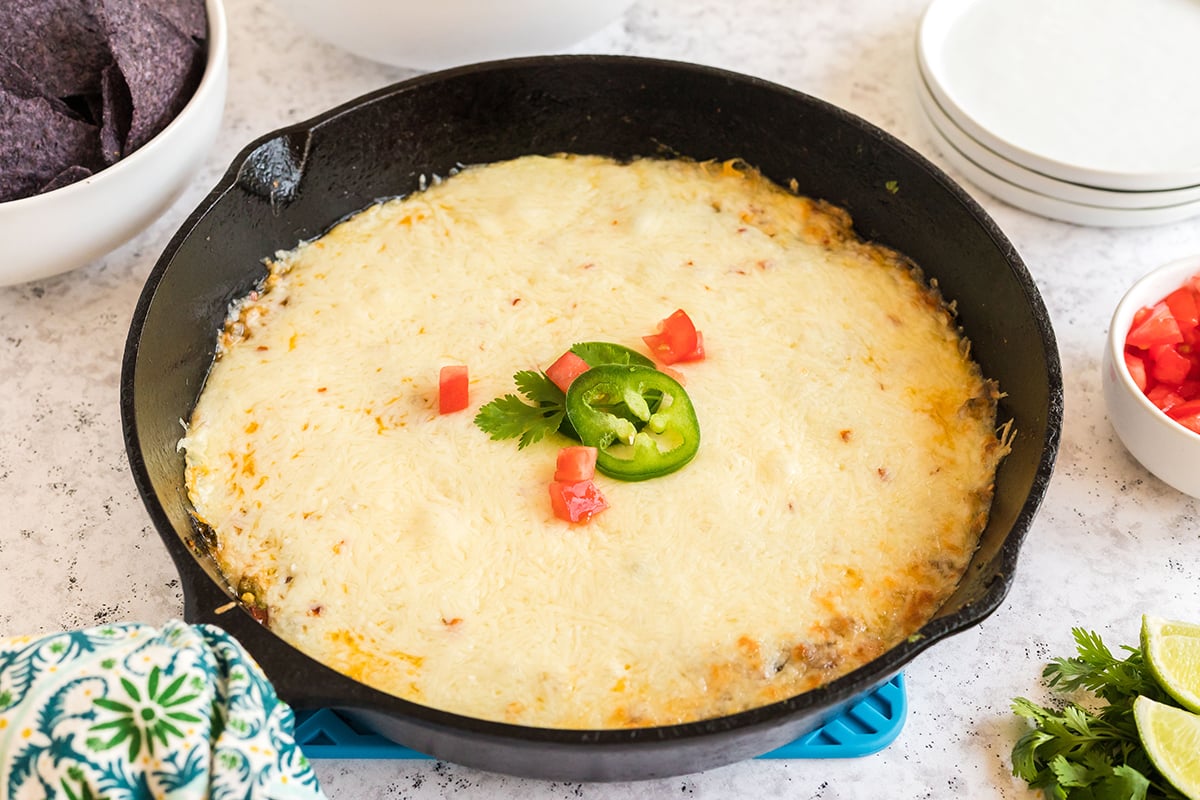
<point x="130" y="711"/>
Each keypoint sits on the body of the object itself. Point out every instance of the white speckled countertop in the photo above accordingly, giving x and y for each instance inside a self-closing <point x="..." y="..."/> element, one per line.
<point x="1111" y="541"/>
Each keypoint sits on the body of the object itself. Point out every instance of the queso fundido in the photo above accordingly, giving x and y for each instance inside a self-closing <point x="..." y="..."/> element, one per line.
<point x="845" y="471"/>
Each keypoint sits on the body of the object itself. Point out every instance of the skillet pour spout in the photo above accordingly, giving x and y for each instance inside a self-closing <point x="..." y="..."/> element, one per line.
<point x="292" y="185"/>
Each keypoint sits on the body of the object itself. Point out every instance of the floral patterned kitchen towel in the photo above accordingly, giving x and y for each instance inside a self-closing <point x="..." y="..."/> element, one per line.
<point x="130" y="711"/>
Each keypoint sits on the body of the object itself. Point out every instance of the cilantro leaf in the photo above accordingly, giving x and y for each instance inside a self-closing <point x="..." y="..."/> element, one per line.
<point x="1076" y="753"/>
<point x="1125" y="781"/>
<point x="539" y="388"/>
<point x="1097" y="670"/>
<point x="510" y="417"/>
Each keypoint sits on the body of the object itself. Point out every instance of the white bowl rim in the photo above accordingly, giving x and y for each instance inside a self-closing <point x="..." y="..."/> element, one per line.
<point x="1174" y="273"/>
<point x="217" y="43"/>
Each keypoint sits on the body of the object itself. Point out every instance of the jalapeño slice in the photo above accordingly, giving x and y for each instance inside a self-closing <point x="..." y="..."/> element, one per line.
<point x="640" y="420"/>
<point x="597" y="354"/>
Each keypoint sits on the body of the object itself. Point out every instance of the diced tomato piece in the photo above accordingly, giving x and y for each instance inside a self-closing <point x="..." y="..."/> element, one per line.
<point x="1165" y="338"/>
<point x="1137" y="369"/>
<point x="1164" y="397"/>
<point x="1189" y="389"/>
<point x="452" y="389"/>
<point x="1159" y="327"/>
<point x="567" y="368"/>
<point x="576" y="463"/>
<point x="576" y="502"/>
<point x="1187" y="414"/>
<point x="1166" y="365"/>
<point x="1182" y="303"/>
<point x="676" y="340"/>
<point x="1185" y="409"/>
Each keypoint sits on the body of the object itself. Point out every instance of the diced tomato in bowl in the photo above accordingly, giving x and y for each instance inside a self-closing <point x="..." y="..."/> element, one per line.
<point x="1168" y="365"/>
<point x="1184" y="307"/>
<point x="1187" y="414"/>
<point x="1151" y="373"/>
<point x="1137" y="368"/>
<point x="1159" y="347"/>
<point x="1154" y="326"/>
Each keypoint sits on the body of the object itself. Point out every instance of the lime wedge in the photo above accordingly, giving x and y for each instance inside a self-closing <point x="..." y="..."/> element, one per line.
<point x="1172" y="651"/>
<point x="1171" y="737"/>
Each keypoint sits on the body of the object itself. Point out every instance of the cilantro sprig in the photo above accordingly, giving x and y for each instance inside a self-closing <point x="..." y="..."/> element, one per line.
<point x="510" y="417"/>
<point x="1075" y="753"/>
<point x="544" y="407"/>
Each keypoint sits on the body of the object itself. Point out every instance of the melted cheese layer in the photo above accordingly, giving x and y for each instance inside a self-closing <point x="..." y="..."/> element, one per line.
<point x="844" y="475"/>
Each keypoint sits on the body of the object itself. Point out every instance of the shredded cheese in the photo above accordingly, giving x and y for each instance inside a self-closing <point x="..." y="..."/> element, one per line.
<point x="845" y="471"/>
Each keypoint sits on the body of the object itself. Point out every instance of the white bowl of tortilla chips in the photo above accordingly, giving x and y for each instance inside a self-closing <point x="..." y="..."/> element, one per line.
<point x="102" y="127"/>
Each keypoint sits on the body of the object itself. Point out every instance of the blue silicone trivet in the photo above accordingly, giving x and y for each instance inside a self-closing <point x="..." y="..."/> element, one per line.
<point x="866" y="727"/>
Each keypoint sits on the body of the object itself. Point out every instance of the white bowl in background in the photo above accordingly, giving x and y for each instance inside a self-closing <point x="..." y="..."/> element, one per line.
<point x="61" y="230"/>
<point x="445" y="33"/>
<point x="1162" y="445"/>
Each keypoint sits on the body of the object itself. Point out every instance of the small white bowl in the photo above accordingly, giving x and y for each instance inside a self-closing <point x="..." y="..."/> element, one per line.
<point x="52" y="233"/>
<point x="446" y="33"/>
<point x="1162" y="445"/>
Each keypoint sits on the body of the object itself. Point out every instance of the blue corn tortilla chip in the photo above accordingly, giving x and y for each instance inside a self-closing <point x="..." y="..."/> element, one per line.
<point x="188" y="16"/>
<point x="72" y="174"/>
<point x="16" y="80"/>
<point x="59" y="43"/>
<point x="38" y="143"/>
<point x="161" y="65"/>
<point x="116" y="113"/>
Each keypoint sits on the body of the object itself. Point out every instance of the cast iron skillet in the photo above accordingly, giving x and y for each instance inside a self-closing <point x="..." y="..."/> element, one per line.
<point x="293" y="184"/>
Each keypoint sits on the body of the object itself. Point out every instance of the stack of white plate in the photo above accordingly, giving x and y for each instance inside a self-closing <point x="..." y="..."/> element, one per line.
<point x="1086" y="111"/>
